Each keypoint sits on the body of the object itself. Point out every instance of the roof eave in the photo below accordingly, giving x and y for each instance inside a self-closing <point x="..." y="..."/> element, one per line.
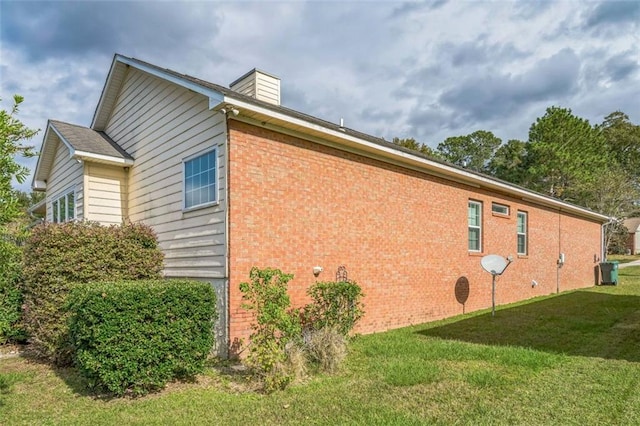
<point x="267" y="116"/>
<point x="41" y="172"/>
<point x="98" y="121"/>
<point x="101" y="158"/>
<point x="39" y="207"/>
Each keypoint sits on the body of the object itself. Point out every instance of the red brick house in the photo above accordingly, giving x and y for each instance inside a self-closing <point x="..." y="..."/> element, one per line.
<point x="230" y="179"/>
<point x="633" y="239"/>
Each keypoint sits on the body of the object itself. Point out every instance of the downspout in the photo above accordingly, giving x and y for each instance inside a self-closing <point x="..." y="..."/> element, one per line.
<point x="559" y="264"/>
<point x="227" y="268"/>
<point x="603" y="228"/>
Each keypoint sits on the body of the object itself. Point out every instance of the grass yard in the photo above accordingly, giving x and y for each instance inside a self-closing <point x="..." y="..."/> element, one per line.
<point x="624" y="258"/>
<point x="567" y="359"/>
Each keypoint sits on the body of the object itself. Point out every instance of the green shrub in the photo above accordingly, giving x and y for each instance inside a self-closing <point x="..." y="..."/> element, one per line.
<point x="335" y="305"/>
<point x="276" y="325"/>
<point x="57" y="256"/>
<point x="10" y="294"/>
<point x="136" y="336"/>
<point x="279" y="350"/>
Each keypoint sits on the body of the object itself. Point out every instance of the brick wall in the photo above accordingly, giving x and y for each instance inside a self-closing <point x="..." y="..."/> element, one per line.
<point x="401" y="234"/>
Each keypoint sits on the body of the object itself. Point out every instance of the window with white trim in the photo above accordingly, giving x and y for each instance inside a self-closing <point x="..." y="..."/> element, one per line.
<point x="64" y="208"/>
<point x="500" y="209"/>
<point x="200" y="180"/>
<point x="475" y="225"/>
<point x="522" y="233"/>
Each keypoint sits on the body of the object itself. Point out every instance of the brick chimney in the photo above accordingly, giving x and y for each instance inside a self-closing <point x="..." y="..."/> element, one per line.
<point x="259" y="85"/>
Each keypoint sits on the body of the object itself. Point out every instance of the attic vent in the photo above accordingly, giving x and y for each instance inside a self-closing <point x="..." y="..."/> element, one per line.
<point x="259" y="85"/>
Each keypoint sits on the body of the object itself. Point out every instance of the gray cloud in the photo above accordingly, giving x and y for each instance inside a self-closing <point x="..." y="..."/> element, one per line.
<point x="77" y="28"/>
<point x="621" y="66"/>
<point x="412" y="7"/>
<point x="427" y="70"/>
<point x="493" y="95"/>
<point x="610" y="13"/>
<point x="530" y="9"/>
<point x="480" y="51"/>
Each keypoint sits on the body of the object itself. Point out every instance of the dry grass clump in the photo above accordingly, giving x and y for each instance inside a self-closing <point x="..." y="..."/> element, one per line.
<point x="296" y="362"/>
<point x="327" y="347"/>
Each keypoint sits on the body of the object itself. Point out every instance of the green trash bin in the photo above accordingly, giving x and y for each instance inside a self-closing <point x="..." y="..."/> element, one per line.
<point x="609" y="272"/>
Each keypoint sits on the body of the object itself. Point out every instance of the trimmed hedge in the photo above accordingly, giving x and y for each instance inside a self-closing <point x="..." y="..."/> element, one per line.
<point x="57" y="256"/>
<point x="134" y="337"/>
<point x="10" y="294"/>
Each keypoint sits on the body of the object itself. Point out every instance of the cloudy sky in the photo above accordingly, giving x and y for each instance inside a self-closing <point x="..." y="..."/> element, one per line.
<point x="426" y="70"/>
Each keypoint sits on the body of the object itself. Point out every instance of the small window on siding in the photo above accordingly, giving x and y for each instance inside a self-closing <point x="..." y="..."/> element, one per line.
<point x="500" y="209"/>
<point x="522" y="233"/>
<point x="475" y="225"/>
<point x="64" y="208"/>
<point x="200" y="180"/>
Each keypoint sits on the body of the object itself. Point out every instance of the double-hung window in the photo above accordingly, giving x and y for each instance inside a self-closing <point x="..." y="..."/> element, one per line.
<point x="522" y="233"/>
<point x="475" y="225"/>
<point x="200" y="180"/>
<point x="64" y="208"/>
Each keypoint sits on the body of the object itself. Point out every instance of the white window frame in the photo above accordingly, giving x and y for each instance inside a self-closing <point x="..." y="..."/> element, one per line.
<point x="477" y="226"/>
<point x="59" y="201"/>
<point x="524" y="233"/>
<point x="497" y="207"/>
<point x="216" y="182"/>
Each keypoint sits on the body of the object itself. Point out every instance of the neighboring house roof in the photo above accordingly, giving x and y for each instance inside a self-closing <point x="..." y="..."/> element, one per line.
<point x="286" y="120"/>
<point x="83" y="144"/>
<point x="39" y="208"/>
<point x="632" y="224"/>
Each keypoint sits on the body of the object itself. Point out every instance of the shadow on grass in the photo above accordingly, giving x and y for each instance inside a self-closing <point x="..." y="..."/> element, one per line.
<point x="583" y="323"/>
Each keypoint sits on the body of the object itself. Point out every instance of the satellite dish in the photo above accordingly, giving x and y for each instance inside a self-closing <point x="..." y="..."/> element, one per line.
<point x="494" y="264"/>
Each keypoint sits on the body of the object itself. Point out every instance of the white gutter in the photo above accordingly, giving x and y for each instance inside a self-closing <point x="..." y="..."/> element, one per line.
<point x="443" y="170"/>
<point x="88" y="156"/>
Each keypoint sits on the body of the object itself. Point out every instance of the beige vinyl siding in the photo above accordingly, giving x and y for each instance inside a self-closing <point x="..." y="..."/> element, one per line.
<point x="260" y="86"/>
<point x="66" y="175"/>
<point x="106" y="194"/>
<point x="268" y="89"/>
<point x="160" y="124"/>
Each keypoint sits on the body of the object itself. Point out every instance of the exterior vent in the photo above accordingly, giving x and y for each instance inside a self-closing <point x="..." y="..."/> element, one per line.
<point x="259" y="85"/>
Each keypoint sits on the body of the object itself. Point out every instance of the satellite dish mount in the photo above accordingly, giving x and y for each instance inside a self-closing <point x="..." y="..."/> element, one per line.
<point x="495" y="265"/>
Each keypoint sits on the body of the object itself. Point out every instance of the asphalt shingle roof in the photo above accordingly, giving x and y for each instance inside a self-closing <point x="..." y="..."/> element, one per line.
<point x="88" y="140"/>
<point x="632" y="224"/>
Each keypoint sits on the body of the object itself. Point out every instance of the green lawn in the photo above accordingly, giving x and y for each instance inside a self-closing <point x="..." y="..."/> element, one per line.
<point x="567" y="359"/>
<point x="624" y="258"/>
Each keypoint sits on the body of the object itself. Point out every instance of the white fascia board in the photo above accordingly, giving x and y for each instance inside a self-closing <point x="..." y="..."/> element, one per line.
<point x="214" y="96"/>
<point x="104" y="89"/>
<point x="34" y="182"/>
<point x="64" y="141"/>
<point x="89" y="156"/>
<point x="39" y="185"/>
<point x="429" y="166"/>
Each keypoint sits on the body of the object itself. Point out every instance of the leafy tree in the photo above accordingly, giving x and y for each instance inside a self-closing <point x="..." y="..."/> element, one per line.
<point x="473" y="151"/>
<point x="12" y="132"/>
<point x="508" y="162"/>
<point x="564" y="150"/>
<point x="412" y="144"/>
<point x="12" y="213"/>
<point x="623" y="139"/>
